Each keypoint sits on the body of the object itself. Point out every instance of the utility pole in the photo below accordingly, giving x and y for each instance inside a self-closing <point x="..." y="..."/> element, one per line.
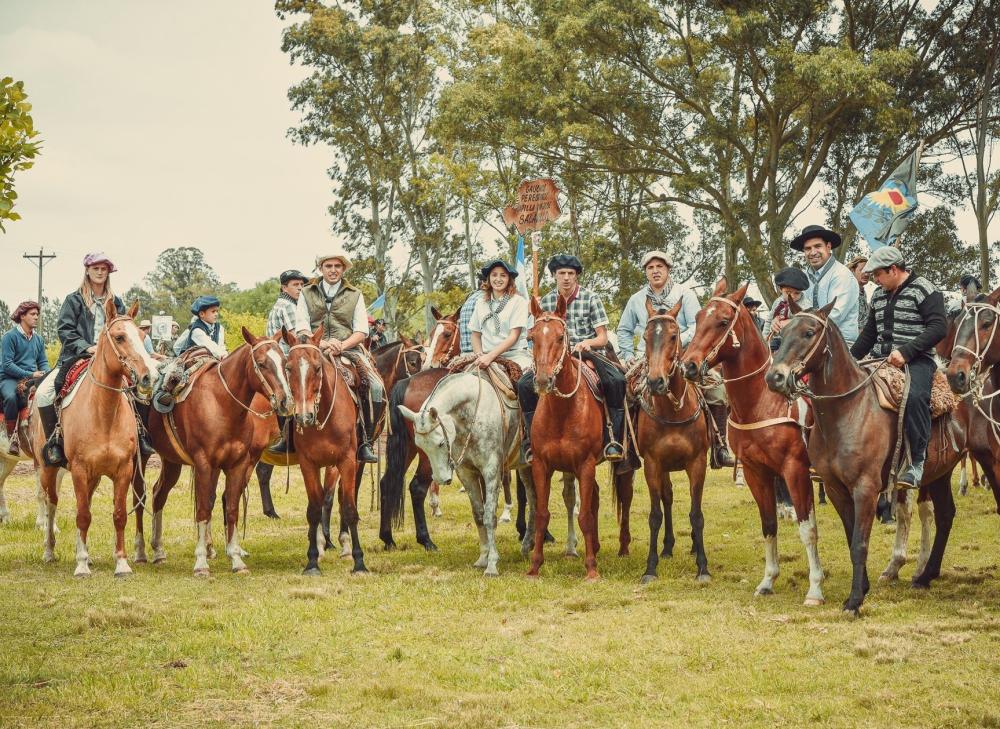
<point x="42" y="258"/>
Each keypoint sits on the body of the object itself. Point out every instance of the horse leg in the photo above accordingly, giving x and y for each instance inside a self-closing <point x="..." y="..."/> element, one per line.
<point x="419" y="485"/>
<point x="651" y="469"/>
<point x="667" y="498"/>
<point x="865" y="495"/>
<point x="349" y="510"/>
<point x="84" y="485"/>
<point x="904" y="513"/>
<point x="6" y="466"/>
<point x="541" y="476"/>
<point x="588" y="517"/>
<point x="696" y="479"/>
<point x="624" y="491"/>
<point x="314" y="514"/>
<point x="264" y="471"/>
<point x="209" y="546"/>
<point x="490" y="481"/>
<point x="120" y="517"/>
<point x="434" y="499"/>
<point x="976" y="483"/>
<point x="344" y="535"/>
<point x="963" y="477"/>
<point x="925" y="509"/>
<point x="522" y="501"/>
<point x="800" y="491"/>
<point x="326" y="512"/>
<point x="42" y="501"/>
<point x="473" y="488"/>
<point x="944" y="517"/>
<point x="569" y="499"/>
<point x="48" y="481"/>
<point x="169" y="473"/>
<point x="237" y="478"/>
<point x="204" y="498"/>
<point x="507" y="504"/>
<point x="138" y="505"/>
<point x="526" y="484"/>
<point x="760" y="480"/>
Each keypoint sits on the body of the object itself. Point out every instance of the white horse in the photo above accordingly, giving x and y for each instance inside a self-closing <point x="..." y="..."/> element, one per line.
<point x="7" y="463"/>
<point x="467" y="429"/>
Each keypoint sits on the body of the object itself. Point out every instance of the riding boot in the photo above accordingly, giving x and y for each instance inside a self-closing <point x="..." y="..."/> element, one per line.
<point x="721" y="457"/>
<point x="613" y="450"/>
<point x="13" y="450"/>
<point x="526" y="456"/>
<point x="365" y="452"/>
<point x="285" y="443"/>
<point x="142" y="422"/>
<point x="52" y="452"/>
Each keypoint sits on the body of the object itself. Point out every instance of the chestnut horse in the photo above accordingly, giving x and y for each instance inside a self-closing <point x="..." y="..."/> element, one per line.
<point x="853" y="441"/>
<point x="100" y="436"/>
<point x="567" y="433"/>
<point x="765" y="436"/>
<point x="673" y="436"/>
<point x="221" y="427"/>
<point x="445" y="341"/>
<point x="326" y="435"/>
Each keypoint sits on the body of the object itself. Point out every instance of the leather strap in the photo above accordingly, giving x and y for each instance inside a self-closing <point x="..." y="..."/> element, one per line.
<point x="175" y="441"/>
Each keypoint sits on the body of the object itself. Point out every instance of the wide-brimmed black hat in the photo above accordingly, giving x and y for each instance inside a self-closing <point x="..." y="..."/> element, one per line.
<point x="292" y="275"/>
<point x="791" y="277"/>
<point x="565" y="260"/>
<point x="815" y="231"/>
<point x="750" y="302"/>
<point x="484" y="272"/>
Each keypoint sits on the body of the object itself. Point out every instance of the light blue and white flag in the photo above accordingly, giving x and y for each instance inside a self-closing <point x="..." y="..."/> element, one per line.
<point x="882" y="215"/>
<point x="521" y="266"/>
<point x="377" y="306"/>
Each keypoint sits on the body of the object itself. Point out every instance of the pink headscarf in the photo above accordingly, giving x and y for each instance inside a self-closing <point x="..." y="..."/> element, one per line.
<point x="92" y="259"/>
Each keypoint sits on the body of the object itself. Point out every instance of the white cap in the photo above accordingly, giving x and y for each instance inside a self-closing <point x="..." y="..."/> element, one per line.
<point x="656" y="254"/>
<point x="339" y="254"/>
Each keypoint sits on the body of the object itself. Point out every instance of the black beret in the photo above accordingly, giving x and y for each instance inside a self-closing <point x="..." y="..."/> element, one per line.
<point x="565" y="260"/>
<point x="484" y="272"/>
<point x="969" y="279"/>
<point x="292" y="275"/>
<point x="791" y="277"/>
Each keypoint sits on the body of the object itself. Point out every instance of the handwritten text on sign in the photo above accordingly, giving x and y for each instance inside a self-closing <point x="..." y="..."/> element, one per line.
<point x="537" y="204"/>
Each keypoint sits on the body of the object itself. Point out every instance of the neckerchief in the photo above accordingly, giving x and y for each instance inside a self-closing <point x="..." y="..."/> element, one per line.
<point x="816" y="277"/>
<point x="495" y="315"/>
<point x="659" y="300"/>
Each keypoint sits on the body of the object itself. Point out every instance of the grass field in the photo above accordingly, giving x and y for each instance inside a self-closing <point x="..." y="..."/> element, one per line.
<point x="427" y="641"/>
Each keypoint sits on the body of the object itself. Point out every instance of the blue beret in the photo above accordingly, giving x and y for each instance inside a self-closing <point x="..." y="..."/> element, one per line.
<point x="204" y="302"/>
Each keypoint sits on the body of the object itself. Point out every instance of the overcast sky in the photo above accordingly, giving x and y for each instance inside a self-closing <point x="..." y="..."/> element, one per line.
<point x="164" y="124"/>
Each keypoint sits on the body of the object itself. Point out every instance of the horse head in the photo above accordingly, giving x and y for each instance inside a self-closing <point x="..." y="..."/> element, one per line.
<point x="802" y="349"/>
<point x="433" y="433"/>
<point x="977" y="343"/>
<point x="715" y="337"/>
<point x="413" y="355"/>
<point x="549" y="342"/>
<point x="268" y="378"/>
<point x="445" y="341"/>
<point x="128" y="357"/>
<point x="663" y="346"/>
<point x="305" y="368"/>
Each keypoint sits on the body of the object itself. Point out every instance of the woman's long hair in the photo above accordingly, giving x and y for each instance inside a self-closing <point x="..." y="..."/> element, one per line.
<point x="488" y="290"/>
<point x="87" y="292"/>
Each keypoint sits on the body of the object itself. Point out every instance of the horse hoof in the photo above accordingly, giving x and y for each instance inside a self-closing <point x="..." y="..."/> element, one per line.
<point x="918" y="585"/>
<point x="492" y="572"/>
<point x="852" y="612"/>
<point x="623" y="552"/>
<point x="763" y="592"/>
<point x="646" y="579"/>
<point x="549" y="539"/>
<point x="241" y="570"/>
<point x="703" y="579"/>
<point x="141" y="560"/>
<point x="345" y="553"/>
<point x="48" y="558"/>
<point x="361" y="571"/>
<point x="505" y="518"/>
<point x="593" y="577"/>
<point x="5" y="518"/>
<point x="202" y="572"/>
<point x="81" y="572"/>
<point x="271" y="515"/>
<point x="813" y="602"/>
<point x="571" y="553"/>
<point x="123" y="575"/>
<point x="160" y="559"/>
<point x="430" y="547"/>
<point x="667" y="553"/>
<point x="389" y="547"/>
<point x="312" y="572"/>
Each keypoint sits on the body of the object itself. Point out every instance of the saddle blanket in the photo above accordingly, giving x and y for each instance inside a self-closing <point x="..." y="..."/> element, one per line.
<point x="889" y="383"/>
<point x="503" y="373"/>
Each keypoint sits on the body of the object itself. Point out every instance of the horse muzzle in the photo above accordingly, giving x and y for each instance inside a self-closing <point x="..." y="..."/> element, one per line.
<point x="144" y="386"/>
<point x="692" y="372"/>
<point x="657" y="385"/>
<point x="959" y="380"/>
<point x="781" y="380"/>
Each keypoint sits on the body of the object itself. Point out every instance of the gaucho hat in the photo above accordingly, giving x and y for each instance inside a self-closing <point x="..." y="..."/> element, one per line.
<point x="815" y="231"/>
<point x="484" y="272"/>
<point x="791" y="277"/>
<point x="565" y="260"/>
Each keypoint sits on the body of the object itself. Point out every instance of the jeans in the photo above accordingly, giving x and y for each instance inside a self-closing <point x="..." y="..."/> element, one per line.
<point x="612" y="385"/>
<point x="917" y="418"/>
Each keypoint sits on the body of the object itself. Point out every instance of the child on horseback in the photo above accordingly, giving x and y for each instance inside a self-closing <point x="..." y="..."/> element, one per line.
<point x="499" y="321"/>
<point x="791" y="282"/>
<point x="205" y="330"/>
<point x="22" y="356"/>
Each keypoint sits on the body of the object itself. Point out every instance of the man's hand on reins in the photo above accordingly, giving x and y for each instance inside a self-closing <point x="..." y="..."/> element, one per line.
<point x="583" y="346"/>
<point x="896" y="359"/>
<point x="334" y="346"/>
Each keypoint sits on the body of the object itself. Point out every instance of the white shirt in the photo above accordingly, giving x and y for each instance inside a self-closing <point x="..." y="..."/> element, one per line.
<point x="514" y="315"/>
<point x="360" y="318"/>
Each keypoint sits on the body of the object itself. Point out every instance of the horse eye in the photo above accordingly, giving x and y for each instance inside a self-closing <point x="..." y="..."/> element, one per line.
<point x="723" y="323"/>
<point x="810" y="333"/>
<point x="120" y="338"/>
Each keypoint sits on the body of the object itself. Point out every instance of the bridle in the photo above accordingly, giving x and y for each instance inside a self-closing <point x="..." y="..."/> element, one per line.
<point x="444" y="323"/>
<point x="730" y="333"/>
<point x="401" y="356"/>
<point x="452" y="461"/>
<point x="322" y="379"/>
<point x="122" y="360"/>
<point x="677" y="403"/>
<point x="272" y="397"/>
<point x="977" y="378"/>
<point x="545" y="318"/>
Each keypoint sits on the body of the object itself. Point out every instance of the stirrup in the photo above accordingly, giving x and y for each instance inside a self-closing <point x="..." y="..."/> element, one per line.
<point x="614" y="457"/>
<point x="14" y="448"/>
<point x="366" y="454"/>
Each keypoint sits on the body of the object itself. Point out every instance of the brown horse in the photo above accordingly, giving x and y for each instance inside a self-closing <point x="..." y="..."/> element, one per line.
<point x="99" y="433"/>
<point x="220" y="428"/>
<point x="673" y="436"/>
<point x="445" y="341"/>
<point x="765" y="436"/>
<point x="326" y="422"/>
<point x="853" y="442"/>
<point x="567" y="432"/>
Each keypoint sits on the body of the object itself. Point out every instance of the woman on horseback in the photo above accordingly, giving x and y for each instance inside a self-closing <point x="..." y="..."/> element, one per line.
<point x="500" y="320"/>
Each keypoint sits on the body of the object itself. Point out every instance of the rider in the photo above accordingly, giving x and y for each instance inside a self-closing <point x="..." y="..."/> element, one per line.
<point x="791" y="282"/>
<point x="907" y="319"/>
<point x="22" y="356"/>
<point x="829" y="279"/>
<point x="339" y="307"/>
<point x="205" y="330"/>
<point x="282" y="316"/>
<point x="753" y="306"/>
<point x="662" y="293"/>
<point x="499" y="321"/>
<point x="81" y="321"/>
<point x="586" y="327"/>
<point x="376" y="329"/>
<point x="857" y="267"/>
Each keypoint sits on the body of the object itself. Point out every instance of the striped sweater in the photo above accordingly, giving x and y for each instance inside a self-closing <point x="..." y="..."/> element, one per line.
<point x="910" y="319"/>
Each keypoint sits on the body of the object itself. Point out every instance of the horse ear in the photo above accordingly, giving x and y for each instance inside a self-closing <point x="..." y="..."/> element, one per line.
<point x="436" y="314"/>
<point x="535" y="307"/>
<point x="406" y="341"/>
<point x="650" y="311"/>
<point x="407" y="413"/>
<point x="456" y="316"/>
<point x="794" y="307"/>
<point x="248" y="337"/>
<point x="317" y="336"/>
<point x="110" y="310"/>
<point x="737" y="296"/>
<point x="994" y="298"/>
<point x="560" y="307"/>
<point x="720" y="287"/>
<point x="676" y="309"/>
<point x="288" y="337"/>
<point x="134" y="309"/>
<point x="825" y="310"/>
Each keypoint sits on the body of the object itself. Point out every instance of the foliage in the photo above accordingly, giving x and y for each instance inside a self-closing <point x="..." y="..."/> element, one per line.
<point x="5" y="322"/>
<point x="256" y="300"/>
<point x="18" y="143"/>
<point x="181" y="275"/>
<point x="235" y="321"/>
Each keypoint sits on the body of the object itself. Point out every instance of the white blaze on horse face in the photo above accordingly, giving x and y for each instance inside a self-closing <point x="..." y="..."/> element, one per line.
<point x="659" y="329"/>
<point x="132" y="334"/>
<point x="306" y="403"/>
<point x="280" y="371"/>
<point x="429" y="352"/>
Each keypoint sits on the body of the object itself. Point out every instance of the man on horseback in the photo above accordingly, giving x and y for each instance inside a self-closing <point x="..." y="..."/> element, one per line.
<point x="22" y="357"/>
<point x="586" y="327"/>
<point x="339" y="307"/>
<point x="906" y="320"/>
<point x="282" y="316"/>
<point x="829" y="279"/>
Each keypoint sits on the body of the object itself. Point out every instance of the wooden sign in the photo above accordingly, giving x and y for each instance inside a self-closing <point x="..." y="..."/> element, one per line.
<point x="537" y="204"/>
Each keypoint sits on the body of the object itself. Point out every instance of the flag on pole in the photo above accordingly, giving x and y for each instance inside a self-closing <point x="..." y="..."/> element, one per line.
<point x="521" y="282"/>
<point x="377" y="307"/>
<point x="882" y="215"/>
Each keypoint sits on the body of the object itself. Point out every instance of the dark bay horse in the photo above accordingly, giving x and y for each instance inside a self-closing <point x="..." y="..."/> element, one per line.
<point x="673" y="436"/>
<point x="216" y="432"/>
<point x="853" y="442"/>
<point x="99" y="434"/>
<point x="567" y="432"/>
<point x="764" y="431"/>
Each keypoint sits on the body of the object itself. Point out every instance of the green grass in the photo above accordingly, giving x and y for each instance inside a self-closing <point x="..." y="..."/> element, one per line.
<point x="427" y="641"/>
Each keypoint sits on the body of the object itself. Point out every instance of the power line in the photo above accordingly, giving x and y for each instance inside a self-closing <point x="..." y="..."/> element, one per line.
<point x="42" y="258"/>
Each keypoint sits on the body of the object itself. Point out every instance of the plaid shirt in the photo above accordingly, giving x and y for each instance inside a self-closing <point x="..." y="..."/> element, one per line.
<point x="282" y="315"/>
<point x="583" y="315"/>
<point x="464" y="317"/>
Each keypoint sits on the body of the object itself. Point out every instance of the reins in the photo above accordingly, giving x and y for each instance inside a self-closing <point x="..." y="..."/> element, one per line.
<point x="647" y="405"/>
<point x="122" y="359"/>
<point x="260" y="376"/>
<point x="562" y="358"/>
<point x="731" y="333"/>
<point x="322" y="375"/>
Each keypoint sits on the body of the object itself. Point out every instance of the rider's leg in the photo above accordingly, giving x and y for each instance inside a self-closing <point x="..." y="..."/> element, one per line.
<point x="8" y="393"/>
<point x="45" y="397"/>
<point x="528" y="398"/>
<point x="917" y="418"/>
<point x="613" y="386"/>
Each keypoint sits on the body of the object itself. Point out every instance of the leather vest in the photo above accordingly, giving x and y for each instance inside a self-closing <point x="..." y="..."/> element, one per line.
<point x="337" y="318"/>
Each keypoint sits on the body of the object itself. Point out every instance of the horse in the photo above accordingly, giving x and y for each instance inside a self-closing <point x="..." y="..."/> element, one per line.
<point x="467" y="428"/>
<point x="567" y="433"/>
<point x="326" y="422"/>
<point x="446" y="340"/>
<point x="672" y="435"/>
<point x="219" y="428"/>
<point x="854" y="440"/>
<point x="766" y="438"/>
<point x="100" y="436"/>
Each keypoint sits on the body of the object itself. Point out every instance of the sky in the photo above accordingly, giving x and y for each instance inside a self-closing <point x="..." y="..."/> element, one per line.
<point x="165" y="124"/>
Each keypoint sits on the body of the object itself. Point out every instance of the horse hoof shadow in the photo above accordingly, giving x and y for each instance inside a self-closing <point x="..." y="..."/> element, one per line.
<point x="312" y="572"/>
<point x="646" y="579"/>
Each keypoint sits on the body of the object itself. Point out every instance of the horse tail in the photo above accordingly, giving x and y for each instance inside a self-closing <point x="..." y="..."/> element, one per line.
<point x="622" y="483"/>
<point x="391" y="489"/>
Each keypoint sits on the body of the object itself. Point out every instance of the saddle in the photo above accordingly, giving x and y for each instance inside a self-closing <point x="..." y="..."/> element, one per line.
<point x="889" y="383"/>
<point x="77" y="369"/>
<point x="503" y="373"/>
<point x="635" y="379"/>
<point x="592" y="380"/>
<point x="177" y="378"/>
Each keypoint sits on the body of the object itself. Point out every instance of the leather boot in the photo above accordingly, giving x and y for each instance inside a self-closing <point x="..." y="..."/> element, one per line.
<point x="614" y="451"/>
<point x="365" y="452"/>
<point x="284" y="444"/>
<point x="526" y="456"/>
<point x="142" y="422"/>
<point x="13" y="450"/>
<point x="52" y="452"/>
<point x="721" y="457"/>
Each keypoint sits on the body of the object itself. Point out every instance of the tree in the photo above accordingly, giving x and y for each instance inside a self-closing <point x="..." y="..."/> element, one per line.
<point x="5" y="322"/>
<point x="145" y="299"/>
<point x="179" y="277"/>
<point x="256" y="300"/>
<point x="49" y="320"/>
<point x="18" y="143"/>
